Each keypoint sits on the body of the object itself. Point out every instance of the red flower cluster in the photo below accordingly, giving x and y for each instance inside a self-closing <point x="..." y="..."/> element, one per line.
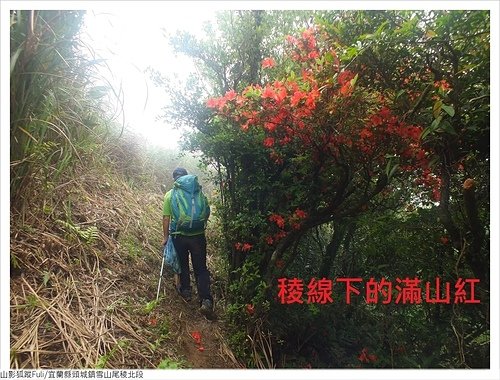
<point x="365" y="357"/>
<point x="385" y="129"/>
<point x="244" y="247"/>
<point x="431" y="183"/>
<point x="268" y="142"/>
<point x="294" y="221"/>
<point x="344" y="80"/>
<point x="345" y="76"/>
<point x="301" y="214"/>
<point x="196" y="335"/>
<point x="312" y="115"/>
<point x="250" y="309"/>
<point x="278" y="219"/>
<point x="305" y="46"/>
<point x="216" y="103"/>
<point x="268" y="62"/>
<point x="442" y="85"/>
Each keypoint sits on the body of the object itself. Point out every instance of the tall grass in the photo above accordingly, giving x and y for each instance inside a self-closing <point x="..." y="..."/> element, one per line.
<point x="55" y="104"/>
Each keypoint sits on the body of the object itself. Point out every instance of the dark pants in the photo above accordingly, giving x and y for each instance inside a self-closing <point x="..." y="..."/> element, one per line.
<point x="197" y="246"/>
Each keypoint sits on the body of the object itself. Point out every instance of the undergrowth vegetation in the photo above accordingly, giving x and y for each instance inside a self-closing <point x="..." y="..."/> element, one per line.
<point x="86" y="202"/>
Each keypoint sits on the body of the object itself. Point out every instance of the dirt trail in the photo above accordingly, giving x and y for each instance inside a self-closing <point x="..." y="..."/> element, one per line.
<point x="199" y="340"/>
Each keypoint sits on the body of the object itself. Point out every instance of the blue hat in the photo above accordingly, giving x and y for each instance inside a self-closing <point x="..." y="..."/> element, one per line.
<point x="179" y="172"/>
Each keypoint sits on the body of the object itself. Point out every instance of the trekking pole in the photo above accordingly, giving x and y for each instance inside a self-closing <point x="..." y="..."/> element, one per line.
<point x="161" y="275"/>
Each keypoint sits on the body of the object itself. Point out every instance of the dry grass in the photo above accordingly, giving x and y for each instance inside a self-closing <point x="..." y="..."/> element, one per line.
<point x="262" y="348"/>
<point x="73" y="325"/>
<point x="77" y="303"/>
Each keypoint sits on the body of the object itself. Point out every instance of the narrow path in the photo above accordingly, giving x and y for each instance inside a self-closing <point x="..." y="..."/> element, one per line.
<point x="199" y="340"/>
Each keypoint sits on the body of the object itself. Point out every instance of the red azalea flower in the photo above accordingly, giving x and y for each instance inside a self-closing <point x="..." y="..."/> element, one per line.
<point x="296" y="98"/>
<point x="278" y="219"/>
<point x="301" y="214"/>
<point x="250" y="309"/>
<point x="268" y="142"/>
<point x="196" y="335"/>
<point x="268" y="62"/>
<point x="345" y="76"/>
<point x="246" y="247"/>
<point x="268" y="93"/>
<point x="363" y="357"/>
<point x="365" y="134"/>
<point x="212" y="103"/>
<point x="230" y="95"/>
<point x="436" y="195"/>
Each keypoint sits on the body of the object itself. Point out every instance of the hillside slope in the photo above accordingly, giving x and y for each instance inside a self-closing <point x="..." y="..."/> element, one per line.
<point x="85" y="263"/>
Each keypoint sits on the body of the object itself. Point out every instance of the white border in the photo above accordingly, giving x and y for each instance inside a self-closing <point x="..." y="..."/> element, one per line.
<point x="148" y="6"/>
<point x="4" y="190"/>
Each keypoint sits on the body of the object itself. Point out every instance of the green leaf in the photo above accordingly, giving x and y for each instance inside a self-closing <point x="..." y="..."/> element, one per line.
<point x="432" y="128"/>
<point x="482" y="339"/>
<point x="433" y="161"/>
<point x="14" y="57"/>
<point x="391" y="167"/>
<point x="253" y="93"/>
<point x="430" y="33"/>
<point x="169" y="364"/>
<point x="381" y="28"/>
<point x="436" y="122"/>
<point x="46" y="278"/>
<point x="329" y="57"/>
<point x="448" y="109"/>
<point x="150" y="306"/>
<point x="353" y="80"/>
<point x="436" y="110"/>
<point x="448" y="128"/>
<point x="392" y="171"/>
<point x="351" y="52"/>
<point x="365" y="37"/>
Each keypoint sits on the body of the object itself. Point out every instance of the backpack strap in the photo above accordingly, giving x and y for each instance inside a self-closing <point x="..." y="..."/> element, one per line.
<point x="193" y="206"/>
<point x="174" y="221"/>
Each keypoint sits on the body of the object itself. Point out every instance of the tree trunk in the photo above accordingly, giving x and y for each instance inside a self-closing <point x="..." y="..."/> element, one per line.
<point x="474" y="256"/>
<point x="339" y="231"/>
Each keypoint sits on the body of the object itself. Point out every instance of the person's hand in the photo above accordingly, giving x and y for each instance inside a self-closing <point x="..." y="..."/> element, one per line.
<point x="164" y="241"/>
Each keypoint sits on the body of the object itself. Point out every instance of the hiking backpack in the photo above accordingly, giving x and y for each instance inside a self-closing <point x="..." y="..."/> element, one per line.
<point x="190" y="207"/>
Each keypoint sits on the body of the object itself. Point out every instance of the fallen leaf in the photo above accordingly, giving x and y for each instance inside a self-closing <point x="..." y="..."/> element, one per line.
<point x="196" y="336"/>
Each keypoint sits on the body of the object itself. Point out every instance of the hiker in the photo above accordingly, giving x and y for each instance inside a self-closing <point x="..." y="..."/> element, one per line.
<point x="186" y="224"/>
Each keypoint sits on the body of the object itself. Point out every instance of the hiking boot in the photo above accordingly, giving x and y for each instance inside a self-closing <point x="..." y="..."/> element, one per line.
<point x="185" y="294"/>
<point x="207" y="309"/>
